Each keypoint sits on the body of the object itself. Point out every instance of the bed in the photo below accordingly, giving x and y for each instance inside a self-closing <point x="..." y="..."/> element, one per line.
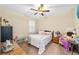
<point x="40" y="40"/>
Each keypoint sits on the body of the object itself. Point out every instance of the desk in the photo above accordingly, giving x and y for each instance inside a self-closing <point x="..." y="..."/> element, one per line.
<point x="72" y="45"/>
<point x="16" y="51"/>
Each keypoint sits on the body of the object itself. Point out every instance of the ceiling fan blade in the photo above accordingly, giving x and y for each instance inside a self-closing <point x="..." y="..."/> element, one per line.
<point x="35" y="13"/>
<point x="46" y="10"/>
<point x="33" y="9"/>
<point x="42" y="14"/>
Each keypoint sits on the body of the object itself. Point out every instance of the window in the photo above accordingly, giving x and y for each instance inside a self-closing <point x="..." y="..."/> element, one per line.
<point x="32" y="26"/>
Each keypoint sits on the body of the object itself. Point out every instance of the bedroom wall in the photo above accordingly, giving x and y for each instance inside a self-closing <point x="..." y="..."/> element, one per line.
<point x="77" y="26"/>
<point x="62" y="20"/>
<point x="76" y="23"/>
<point x="17" y="20"/>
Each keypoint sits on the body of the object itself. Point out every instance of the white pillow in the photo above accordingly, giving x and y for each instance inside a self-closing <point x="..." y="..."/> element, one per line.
<point x="41" y="32"/>
<point x="46" y="33"/>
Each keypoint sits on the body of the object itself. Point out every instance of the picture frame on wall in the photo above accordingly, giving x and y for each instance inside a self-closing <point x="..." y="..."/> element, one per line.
<point x="0" y="21"/>
<point x="77" y="12"/>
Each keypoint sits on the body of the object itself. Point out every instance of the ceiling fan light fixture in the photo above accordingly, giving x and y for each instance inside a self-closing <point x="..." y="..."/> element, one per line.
<point x="40" y="10"/>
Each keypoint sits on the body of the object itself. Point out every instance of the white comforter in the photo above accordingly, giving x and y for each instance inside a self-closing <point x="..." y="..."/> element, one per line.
<point x="39" y="41"/>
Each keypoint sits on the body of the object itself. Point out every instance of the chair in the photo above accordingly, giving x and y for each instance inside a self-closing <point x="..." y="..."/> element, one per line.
<point x="65" y="44"/>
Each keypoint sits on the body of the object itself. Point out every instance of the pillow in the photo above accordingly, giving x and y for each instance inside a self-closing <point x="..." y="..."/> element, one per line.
<point x="77" y="36"/>
<point x="47" y="31"/>
<point x="43" y="32"/>
<point x="77" y="40"/>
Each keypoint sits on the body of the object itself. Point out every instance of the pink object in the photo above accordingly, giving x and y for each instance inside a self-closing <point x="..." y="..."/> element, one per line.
<point x="64" y="43"/>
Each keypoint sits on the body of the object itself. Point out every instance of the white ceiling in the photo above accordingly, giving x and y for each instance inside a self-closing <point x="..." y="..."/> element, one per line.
<point x="25" y="8"/>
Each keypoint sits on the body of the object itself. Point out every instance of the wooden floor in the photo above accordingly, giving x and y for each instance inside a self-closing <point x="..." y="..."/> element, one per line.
<point x="51" y="49"/>
<point x="23" y="48"/>
<point x="16" y="51"/>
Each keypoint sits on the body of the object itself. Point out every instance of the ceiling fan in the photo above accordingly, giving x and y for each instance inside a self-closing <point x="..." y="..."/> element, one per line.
<point x="40" y="10"/>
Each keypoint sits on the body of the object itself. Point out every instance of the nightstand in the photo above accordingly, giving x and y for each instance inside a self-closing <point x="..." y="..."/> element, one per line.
<point x="56" y="40"/>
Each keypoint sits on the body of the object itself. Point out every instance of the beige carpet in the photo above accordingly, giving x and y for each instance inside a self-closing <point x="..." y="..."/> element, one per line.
<point x="51" y="49"/>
